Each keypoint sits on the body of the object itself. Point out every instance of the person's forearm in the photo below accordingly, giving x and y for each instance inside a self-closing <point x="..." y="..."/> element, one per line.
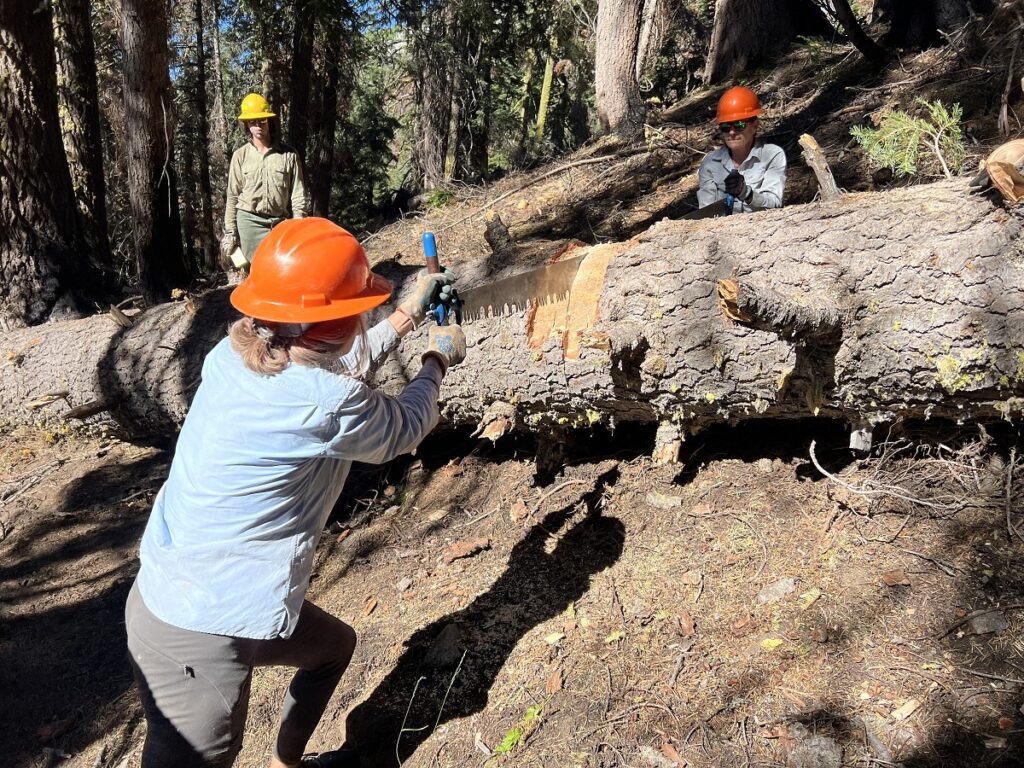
<point x="230" y="225"/>
<point x="401" y="322"/>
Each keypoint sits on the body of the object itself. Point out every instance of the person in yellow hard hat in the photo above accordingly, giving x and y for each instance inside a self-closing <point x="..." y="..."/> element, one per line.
<point x="744" y="170"/>
<point x="265" y="182"/>
<point x="227" y="555"/>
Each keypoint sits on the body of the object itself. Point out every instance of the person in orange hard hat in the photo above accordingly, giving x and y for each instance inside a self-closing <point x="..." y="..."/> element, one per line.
<point x="227" y="554"/>
<point x="744" y="170"/>
<point x="265" y="182"/>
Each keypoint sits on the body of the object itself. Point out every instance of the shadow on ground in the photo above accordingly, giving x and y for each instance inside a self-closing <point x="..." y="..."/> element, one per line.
<point x="62" y="648"/>
<point x="449" y="666"/>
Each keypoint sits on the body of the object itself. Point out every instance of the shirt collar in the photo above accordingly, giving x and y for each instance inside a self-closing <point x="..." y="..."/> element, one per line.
<point x="722" y="153"/>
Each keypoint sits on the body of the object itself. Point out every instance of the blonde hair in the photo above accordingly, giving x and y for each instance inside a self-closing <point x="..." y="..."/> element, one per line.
<point x="267" y="351"/>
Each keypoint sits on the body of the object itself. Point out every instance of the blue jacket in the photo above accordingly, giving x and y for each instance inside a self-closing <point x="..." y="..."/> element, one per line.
<point x="259" y="464"/>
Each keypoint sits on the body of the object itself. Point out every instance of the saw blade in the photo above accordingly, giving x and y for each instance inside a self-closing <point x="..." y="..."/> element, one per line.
<point x="510" y="295"/>
<point x="717" y="208"/>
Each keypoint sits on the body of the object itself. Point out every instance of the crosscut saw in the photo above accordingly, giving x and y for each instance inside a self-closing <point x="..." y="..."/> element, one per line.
<point x="550" y="284"/>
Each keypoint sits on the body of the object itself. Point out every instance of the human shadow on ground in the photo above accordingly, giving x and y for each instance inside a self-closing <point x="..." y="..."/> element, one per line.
<point x="449" y="666"/>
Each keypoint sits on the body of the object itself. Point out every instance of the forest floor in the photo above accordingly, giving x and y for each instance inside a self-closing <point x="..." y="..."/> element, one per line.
<point x="738" y="609"/>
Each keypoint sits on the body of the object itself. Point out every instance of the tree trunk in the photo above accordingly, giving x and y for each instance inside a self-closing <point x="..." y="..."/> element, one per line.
<point x="43" y="260"/>
<point x="471" y="103"/>
<point x="321" y="165"/>
<point x="746" y="32"/>
<point x="152" y="181"/>
<point x="545" y="93"/>
<point x="876" y="307"/>
<point x="652" y="23"/>
<point x="620" y="107"/>
<point x="433" y="99"/>
<point x="871" y="50"/>
<point x="206" y="237"/>
<point x="918" y="23"/>
<point x="80" y="121"/>
<point x="266" y="17"/>
<point x="221" y="144"/>
<point x="302" y="61"/>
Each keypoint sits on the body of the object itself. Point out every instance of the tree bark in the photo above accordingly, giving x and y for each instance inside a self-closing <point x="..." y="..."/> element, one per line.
<point x="471" y="101"/>
<point x="302" y="61"/>
<point x="433" y="98"/>
<point x="80" y="123"/>
<point x="652" y="21"/>
<point x="321" y="165"/>
<point x="620" y="107"/>
<point x="746" y="32"/>
<point x="206" y="237"/>
<point x="871" y="50"/>
<point x="152" y="179"/>
<point x="220" y="142"/>
<point x="879" y="306"/>
<point x="918" y="23"/>
<point x="42" y="251"/>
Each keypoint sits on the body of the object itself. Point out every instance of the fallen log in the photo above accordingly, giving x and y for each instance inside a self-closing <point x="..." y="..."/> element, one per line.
<point x="869" y="308"/>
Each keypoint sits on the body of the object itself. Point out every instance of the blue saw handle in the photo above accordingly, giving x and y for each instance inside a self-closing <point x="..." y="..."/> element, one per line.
<point x="729" y="201"/>
<point x="430" y="252"/>
<point x="440" y="311"/>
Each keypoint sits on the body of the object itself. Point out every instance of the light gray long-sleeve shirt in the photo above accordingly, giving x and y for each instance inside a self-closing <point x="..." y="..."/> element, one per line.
<point x="764" y="171"/>
<point x="259" y="464"/>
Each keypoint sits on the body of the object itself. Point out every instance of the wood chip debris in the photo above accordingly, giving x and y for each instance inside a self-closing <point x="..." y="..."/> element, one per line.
<point x="902" y="713"/>
<point x="465" y="548"/>
<point x="896" y="578"/>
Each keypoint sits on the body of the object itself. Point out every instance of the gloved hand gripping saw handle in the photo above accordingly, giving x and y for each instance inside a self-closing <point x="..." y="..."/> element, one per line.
<point x="442" y="310"/>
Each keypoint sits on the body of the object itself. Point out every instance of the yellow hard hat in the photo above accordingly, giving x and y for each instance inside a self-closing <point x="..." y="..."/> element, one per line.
<point x="254" y="107"/>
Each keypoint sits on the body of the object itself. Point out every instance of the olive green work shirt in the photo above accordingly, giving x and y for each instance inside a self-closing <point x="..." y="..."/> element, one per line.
<point x="269" y="184"/>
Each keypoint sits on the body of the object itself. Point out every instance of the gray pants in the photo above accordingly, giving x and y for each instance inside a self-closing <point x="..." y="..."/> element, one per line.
<point x="252" y="228"/>
<point x="195" y="686"/>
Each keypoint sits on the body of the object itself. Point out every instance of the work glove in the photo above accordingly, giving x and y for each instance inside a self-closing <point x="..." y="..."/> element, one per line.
<point x="228" y="243"/>
<point x="735" y="185"/>
<point x="447" y="344"/>
<point x="431" y="288"/>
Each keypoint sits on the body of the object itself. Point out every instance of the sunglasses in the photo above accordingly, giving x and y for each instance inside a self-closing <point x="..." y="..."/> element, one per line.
<point x="738" y="125"/>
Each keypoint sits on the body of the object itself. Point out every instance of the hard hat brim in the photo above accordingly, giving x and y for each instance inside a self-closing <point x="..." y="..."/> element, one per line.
<point x="256" y="115"/>
<point x="740" y="114"/>
<point x="246" y="301"/>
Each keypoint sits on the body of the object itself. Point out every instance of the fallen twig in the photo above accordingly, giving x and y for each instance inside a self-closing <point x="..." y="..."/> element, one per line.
<point x="947" y="568"/>
<point x="891" y="491"/>
<point x="553" y="491"/>
<point x="989" y="676"/>
<point x="1010" y="529"/>
<point x="13" y="494"/>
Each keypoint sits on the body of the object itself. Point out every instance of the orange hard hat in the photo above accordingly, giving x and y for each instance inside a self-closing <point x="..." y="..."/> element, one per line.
<point x="309" y="271"/>
<point x="737" y="103"/>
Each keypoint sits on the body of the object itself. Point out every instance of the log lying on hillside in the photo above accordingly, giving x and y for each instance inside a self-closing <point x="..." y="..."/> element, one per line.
<point x="872" y="307"/>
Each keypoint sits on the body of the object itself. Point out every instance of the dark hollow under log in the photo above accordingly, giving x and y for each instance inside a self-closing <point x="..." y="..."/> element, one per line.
<point x="868" y="308"/>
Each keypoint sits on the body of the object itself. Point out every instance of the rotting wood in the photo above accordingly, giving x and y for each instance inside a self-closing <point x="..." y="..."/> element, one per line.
<point x="814" y="156"/>
<point x="927" y="284"/>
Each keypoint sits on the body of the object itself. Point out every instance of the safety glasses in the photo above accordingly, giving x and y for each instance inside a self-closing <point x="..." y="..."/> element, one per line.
<point x="737" y="125"/>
